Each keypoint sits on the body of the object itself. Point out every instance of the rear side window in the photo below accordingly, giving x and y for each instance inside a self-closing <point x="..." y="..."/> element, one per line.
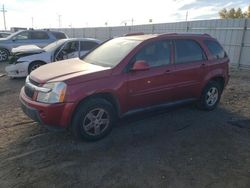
<point x="188" y="51"/>
<point x="88" y="45"/>
<point x="215" y="49"/>
<point x="40" y="35"/>
<point x="59" y="35"/>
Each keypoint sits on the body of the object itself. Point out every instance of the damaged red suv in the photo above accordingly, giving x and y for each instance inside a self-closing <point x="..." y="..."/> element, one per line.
<point x="126" y="75"/>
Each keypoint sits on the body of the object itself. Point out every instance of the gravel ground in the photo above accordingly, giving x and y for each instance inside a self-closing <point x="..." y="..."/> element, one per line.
<point x="181" y="147"/>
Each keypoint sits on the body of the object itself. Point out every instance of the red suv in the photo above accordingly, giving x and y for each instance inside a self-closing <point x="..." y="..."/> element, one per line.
<point x="123" y="76"/>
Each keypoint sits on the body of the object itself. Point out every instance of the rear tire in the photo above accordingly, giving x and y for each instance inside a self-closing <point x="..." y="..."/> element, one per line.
<point x="93" y="119"/>
<point x="210" y="96"/>
<point x="34" y="65"/>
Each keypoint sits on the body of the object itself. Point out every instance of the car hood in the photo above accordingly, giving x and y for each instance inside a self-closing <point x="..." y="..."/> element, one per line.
<point x="65" y="70"/>
<point x="27" y="49"/>
<point x="3" y="39"/>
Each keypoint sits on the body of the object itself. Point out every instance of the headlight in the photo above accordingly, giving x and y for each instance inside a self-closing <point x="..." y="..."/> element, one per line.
<point x="55" y="95"/>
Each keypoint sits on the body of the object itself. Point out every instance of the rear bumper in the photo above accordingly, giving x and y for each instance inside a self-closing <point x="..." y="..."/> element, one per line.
<point x="52" y="115"/>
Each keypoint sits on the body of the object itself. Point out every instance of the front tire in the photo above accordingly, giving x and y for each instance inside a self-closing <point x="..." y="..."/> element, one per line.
<point x="4" y="55"/>
<point x="93" y="119"/>
<point x="210" y="96"/>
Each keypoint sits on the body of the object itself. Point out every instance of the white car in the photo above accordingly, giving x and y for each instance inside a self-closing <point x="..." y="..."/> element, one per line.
<point x="27" y="58"/>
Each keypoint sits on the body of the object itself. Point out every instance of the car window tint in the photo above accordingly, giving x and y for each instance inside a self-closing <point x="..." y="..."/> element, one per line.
<point x="22" y="36"/>
<point x="39" y="35"/>
<point x="188" y="51"/>
<point x="88" y="45"/>
<point x="59" y="35"/>
<point x="155" y="54"/>
<point x="215" y="49"/>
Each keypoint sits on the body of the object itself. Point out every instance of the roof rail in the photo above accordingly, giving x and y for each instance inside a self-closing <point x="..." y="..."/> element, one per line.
<point x="132" y="34"/>
<point x="206" y="34"/>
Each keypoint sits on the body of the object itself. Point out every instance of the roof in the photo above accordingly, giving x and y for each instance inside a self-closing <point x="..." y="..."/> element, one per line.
<point x="149" y="36"/>
<point x="141" y="37"/>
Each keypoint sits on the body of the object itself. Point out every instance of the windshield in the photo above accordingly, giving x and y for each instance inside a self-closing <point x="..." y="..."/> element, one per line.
<point x="54" y="45"/>
<point x="13" y="34"/>
<point x="112" y="52"/>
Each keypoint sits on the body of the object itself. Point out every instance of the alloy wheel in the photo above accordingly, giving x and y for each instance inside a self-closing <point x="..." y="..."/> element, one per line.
<point x="96" y="121"/>
<point x="212" y="96"/>
<point x="3" y="55"/>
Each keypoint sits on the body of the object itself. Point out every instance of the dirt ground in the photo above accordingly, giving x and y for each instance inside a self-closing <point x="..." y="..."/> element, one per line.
<point x="181" y="147"/>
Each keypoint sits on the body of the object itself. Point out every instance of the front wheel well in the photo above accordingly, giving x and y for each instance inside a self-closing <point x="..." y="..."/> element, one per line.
<point x="107" y="96"/>
<point x="220" y="80"/>
<point x="34" y="62"/>
<point x="8" y="51"/>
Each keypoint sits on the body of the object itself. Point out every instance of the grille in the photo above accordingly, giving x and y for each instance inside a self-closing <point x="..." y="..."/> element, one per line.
<point x="29" y="91"/>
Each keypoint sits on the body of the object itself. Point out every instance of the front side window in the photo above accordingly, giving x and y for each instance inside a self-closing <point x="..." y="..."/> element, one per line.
<point x="215" y="49"/>
<point x="22" y="36"/>
<point x="188" y="51"/>
<point x="72" y="46"/>
<point x="110" y="53"/>
<point x="155" y="54"/>
<point x="88" y="45"/>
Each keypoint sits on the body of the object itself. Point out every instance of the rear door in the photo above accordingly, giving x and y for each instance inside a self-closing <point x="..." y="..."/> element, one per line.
<point x="190" y="61"/>
<point x="153" y="86"/>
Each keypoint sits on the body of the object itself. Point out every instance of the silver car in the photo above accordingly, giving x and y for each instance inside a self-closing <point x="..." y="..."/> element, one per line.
<point x="27" y="58"/>
<point x="4" y="34"/>
<point x="39" y="38"/>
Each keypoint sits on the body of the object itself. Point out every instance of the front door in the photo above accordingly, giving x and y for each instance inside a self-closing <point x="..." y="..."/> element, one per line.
<point x="152" y="86"/>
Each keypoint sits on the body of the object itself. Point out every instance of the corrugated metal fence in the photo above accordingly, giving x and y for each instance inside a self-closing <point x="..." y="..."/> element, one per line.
<point x="233" y="34"/>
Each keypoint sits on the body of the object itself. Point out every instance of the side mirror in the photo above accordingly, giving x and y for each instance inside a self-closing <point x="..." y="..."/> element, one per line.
<point x="140" y="65"/>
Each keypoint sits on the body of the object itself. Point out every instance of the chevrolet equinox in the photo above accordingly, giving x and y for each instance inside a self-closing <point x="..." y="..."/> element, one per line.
<point x="126" y="75"/>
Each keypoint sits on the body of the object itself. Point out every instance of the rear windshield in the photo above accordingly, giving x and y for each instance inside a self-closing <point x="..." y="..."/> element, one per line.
<point x="59" y="35"/>
<point x="112" y="52"/>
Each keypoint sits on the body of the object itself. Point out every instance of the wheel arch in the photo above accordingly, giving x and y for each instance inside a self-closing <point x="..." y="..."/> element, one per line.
<point x="219" y="79"/>
<point x="35" y="61"/>
<point x="103" y="95"/>
<point x="7" y="50"/>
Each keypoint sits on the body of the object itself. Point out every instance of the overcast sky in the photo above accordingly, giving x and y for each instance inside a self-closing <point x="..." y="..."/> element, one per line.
<point x="90" y="13"/>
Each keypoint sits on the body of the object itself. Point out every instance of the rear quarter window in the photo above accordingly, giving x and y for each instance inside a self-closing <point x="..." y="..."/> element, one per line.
<point x="215" y="49"/>
<point x="59" y="35"/>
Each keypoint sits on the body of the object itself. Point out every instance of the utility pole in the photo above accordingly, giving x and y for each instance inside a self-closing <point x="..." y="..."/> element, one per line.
<point x="4" y="11"/>
<point x="59" y="20"/>
<point x="32" y="22"/>
<point x="186" y="15"/>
